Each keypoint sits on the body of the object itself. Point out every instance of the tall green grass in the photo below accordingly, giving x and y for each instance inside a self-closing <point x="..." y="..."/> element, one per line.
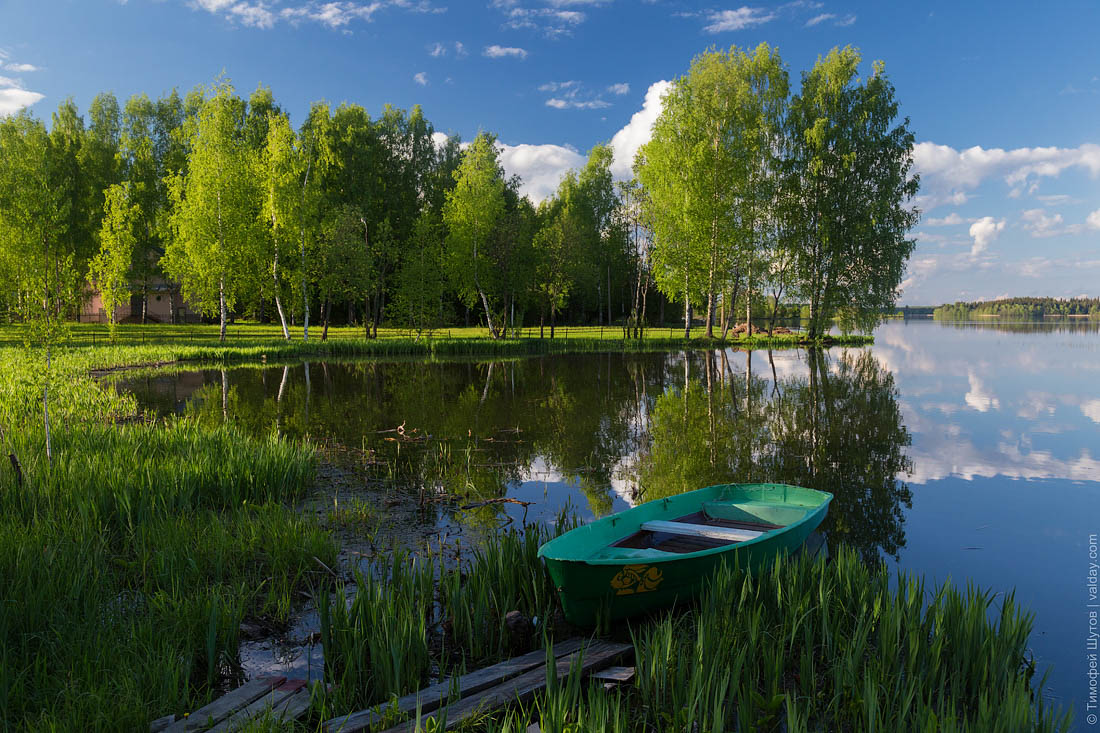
<point x="803" y="646"/>
<point x="128" y="563"/>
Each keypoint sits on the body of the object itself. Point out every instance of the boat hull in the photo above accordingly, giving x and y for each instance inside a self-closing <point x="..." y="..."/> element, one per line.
<point x="591" y="589"/>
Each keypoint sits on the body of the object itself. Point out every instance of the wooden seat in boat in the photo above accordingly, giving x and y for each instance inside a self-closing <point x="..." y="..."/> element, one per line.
<point x="729" y="534"/>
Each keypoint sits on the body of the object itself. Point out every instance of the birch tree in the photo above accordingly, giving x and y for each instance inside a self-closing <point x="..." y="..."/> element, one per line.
<point x="110" y="269"/>
<point x="278" y="171"/>
<point x="473" y="210"/>
<point x="214" y="210"/>
<point x="848" y="187"/>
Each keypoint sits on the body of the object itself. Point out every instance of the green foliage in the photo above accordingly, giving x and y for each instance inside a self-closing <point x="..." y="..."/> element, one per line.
<point x="473" y="210"/>
<point x="109" y="271"/>
<point x="213" y="217"/>
<point x="848" y="181"/>
<point x="1022" y="309"/>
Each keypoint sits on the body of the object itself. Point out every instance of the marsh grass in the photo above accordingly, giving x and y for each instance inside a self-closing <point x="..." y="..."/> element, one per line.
<point x="803" y="646"/>
<point x="130" y="561"/>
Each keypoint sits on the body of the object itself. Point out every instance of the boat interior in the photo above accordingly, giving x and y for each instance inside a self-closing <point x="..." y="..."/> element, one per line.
<point x="717" y="524"/>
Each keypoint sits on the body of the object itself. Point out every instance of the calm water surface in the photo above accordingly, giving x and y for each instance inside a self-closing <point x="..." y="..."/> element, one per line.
<point x="965" y="452"/>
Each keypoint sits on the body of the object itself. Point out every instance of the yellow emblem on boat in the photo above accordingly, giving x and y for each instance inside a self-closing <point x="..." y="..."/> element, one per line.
<point x="637" y="579"/>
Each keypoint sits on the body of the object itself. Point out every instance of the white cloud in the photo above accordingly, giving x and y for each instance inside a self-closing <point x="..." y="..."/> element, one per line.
<point x="436" y="50"/>
<point x="497" y="52"/>
<point x="460" y="49"/>
<point x="254" y="15"/>
<point x="819" y="19"/>
<point x="1093" y="220"/>
<point x="1041" y="225"/>
<point x="13" y="97"/>
<point x="947" y="173"/>
<point x="572" y="95"/>
<point x="540" y="166"/>
<point x="719" y="21"/>
<point x="558" y="103"/>
<point x="334" y="14"/>
<point x="1091" y="409"/>
<point x="637" y="132"/>
<point x="553" y="22"/>
<point x="21" y="68"/>
<point x="619" y="89"/>
<point x="846" y="21"/>
<point x="984" y="231"/>
<point x="421" y="78"/>
<point x="951" y="219"/>
<point x="553" y="86"/>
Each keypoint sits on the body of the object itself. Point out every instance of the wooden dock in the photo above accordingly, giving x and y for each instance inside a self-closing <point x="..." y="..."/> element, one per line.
<point x="455" y="700"/>
<point x="285" y="699"/>
<point x="516" y="680"/>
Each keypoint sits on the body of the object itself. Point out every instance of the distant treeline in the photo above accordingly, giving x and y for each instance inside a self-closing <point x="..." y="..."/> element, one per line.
<point x="1020" y="308"/>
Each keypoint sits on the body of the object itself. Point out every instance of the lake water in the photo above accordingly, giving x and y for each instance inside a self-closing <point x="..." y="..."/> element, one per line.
<point x="964" y="452"/>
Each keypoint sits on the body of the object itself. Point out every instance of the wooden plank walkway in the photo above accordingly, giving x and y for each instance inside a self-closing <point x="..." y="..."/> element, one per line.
<point x="453" y="700"/>
<point x="592" y="657"/>
<point x="286" y="699"/>
<point x="430" y="698"/>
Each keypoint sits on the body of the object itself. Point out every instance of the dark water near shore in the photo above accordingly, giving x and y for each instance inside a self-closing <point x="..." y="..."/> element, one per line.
<point x="965" y="452"/>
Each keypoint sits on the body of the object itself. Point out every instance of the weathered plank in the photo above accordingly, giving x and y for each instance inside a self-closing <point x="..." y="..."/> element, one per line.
<point x="297" y="705"/>
<point x="701" y="530"/>
<point x="160" y="724"/>
<point x="430" y="698"/>
<point x="273" y="701"/>
<point x="614" y="674"/>
<point x="597" y="655"/>
<point x="226" y="705"/>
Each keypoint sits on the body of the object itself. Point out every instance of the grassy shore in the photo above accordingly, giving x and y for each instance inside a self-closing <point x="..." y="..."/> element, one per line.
<point x="196" y="340"/>
<point x="132" y="557"/>
<point x="806" y="646"/>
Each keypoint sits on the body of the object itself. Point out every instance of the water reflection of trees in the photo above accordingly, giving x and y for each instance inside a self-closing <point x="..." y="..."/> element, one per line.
<point x="654" y="424"/>
<point x="837" y="429"/>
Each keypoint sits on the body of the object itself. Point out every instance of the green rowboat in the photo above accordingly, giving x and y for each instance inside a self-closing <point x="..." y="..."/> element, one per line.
<point x="660" y="552"/>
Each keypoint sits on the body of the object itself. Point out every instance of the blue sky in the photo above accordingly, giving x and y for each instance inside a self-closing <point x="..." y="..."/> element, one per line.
<point x="1004" y="99"/>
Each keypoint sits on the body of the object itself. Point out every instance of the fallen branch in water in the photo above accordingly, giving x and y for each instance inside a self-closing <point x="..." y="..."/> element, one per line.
<point x="503" y="500"/>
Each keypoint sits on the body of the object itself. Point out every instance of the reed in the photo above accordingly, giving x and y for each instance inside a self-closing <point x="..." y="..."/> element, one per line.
<point x="130" y="560"/>
<point x="803" y="646"/>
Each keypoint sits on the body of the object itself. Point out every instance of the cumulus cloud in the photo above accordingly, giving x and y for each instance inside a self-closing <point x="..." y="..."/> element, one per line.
<point x="985" y="231"/>
<point x="498" y="52"/>
<point x="421" y="78"/>
<point x="1093" y="220"/>
<point x="619" y="89"/>
<point x="13" y="96"/>
<point x="637" y="132"/>
<point x="947" y="174"/>
<point x="1091" y="409"/>
<point x="1040" y="224"/>
<point x="540" y="166"/>
<point x="721" y="21"/>
<point x="436" y="50"/>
